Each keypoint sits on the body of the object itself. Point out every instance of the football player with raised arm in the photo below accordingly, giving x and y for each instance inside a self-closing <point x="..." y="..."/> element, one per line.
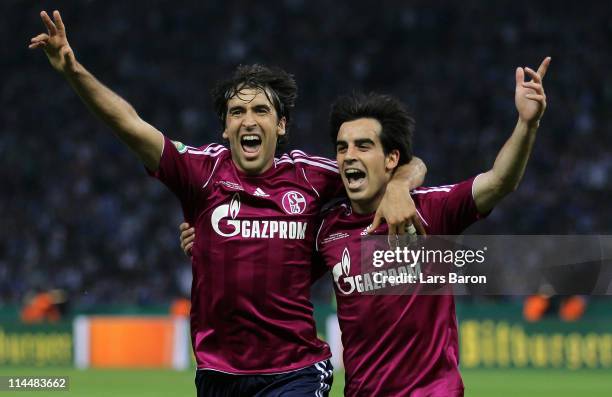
<point x="407" y="345"/>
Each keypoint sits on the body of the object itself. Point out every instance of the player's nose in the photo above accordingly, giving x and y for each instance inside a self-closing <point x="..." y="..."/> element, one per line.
<point x="351" y="153"/>
<point x="248" y="122"/>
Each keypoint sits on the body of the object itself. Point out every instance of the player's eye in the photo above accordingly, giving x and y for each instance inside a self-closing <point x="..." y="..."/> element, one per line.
<point x="262" y="110"/>
<point x="341" y="148"/>
<point x="235" y="112"/>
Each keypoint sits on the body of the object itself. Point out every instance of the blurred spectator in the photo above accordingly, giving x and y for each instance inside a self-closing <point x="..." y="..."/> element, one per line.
<point x="569" y="308"/>
<point x="46" y="306"/>
<point x="180" y="307"/>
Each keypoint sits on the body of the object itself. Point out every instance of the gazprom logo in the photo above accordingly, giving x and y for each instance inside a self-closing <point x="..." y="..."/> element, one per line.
<point x="227" y="214"/>
<point x="344" y="269"/>
<point x="223" y="211"/>
<point x="370" y="281"/>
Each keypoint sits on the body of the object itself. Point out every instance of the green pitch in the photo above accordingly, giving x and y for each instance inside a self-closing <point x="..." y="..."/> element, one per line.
<point x="488" y="382"/>
<point x="526" y="383"/>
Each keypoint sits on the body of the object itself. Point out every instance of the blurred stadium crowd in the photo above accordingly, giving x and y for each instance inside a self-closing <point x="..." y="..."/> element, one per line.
<point x="79" y="213"/>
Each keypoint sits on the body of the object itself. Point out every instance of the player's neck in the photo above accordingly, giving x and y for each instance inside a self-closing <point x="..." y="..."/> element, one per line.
<point x="366" y="207"/>
<point x="253" y="172"/>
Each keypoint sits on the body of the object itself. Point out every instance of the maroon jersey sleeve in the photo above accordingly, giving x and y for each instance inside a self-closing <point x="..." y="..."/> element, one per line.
<point x="185" y="170"/>
<point x="321" y="173"/>
<point x="447" y="209"/>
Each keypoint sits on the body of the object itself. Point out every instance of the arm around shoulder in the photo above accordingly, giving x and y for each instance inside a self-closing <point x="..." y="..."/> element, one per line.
<point x="412" y="173"/>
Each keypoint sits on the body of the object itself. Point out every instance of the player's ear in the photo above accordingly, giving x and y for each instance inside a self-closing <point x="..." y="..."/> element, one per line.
<point x="225" y="134"/>
<point x="392" y="159"/>
<point x="282" y="123"/>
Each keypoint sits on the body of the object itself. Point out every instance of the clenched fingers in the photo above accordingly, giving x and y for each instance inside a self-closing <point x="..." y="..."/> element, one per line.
<point x="40" y="37"/>
<point x="536" y="97"/>
<point x="38" y="44"/>
<point x="187" y="238"/>
<point x="187" y="249"/>
<point x="39" y="41"/>
<point x="536" y="87"/>
<point x="184" y="226"/>
<point x="187" y="235"/>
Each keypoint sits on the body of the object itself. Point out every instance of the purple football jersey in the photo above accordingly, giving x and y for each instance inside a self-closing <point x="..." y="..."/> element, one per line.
<point x="251" y="310"/>
<point x="396" y="345"/>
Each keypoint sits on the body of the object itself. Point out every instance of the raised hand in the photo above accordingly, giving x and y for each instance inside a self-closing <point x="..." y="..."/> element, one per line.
<point x="141" y="137"/>
<point x="529" y="96"/>
<point x="54" y="43"/>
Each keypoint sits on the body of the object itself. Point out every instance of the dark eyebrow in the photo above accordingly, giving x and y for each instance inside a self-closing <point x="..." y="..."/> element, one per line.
<point x="262" y="106"/>
<point x="235" y="107"/>
<point x="340" y="142"/>
<point x="364" y="141"/>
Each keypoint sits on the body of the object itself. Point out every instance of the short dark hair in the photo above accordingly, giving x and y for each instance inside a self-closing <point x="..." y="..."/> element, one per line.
<point x="397" y="123"/>
<point x="279" y="87"/>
